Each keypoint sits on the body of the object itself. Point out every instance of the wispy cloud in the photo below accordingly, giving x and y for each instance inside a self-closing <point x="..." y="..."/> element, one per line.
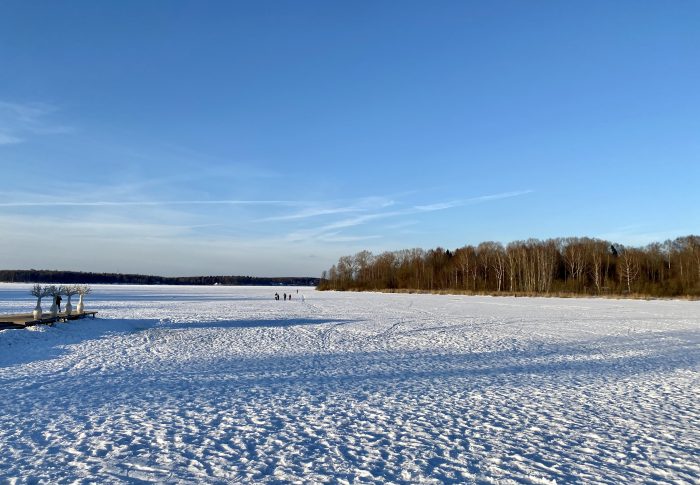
<point x="18" y="121"/>
<point x="95" y="228"/>
<point x="472" y="200"/>
<point x="438" y="207"/>
<point x="502" y="195"/>
<point x="335" y="237"/>
<point x="308" y="213"/>
<point x="8" y="139"/>
<point x="172" y="230"/>
<point x="332" y="229"/>
<point x="303" y="214"/>
<point x="364" y="204"/>
<point x="171" y="223"/>
<point x="103" y="203"/>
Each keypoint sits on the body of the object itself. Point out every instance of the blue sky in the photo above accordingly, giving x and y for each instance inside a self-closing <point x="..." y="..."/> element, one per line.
<point x="270" y="138"/>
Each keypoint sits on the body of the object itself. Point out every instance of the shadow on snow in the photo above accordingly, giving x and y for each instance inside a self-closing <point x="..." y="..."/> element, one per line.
<point x="22" y="346"/>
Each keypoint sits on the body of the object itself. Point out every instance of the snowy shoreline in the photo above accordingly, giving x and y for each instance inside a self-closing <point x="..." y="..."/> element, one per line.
<point x="526" y="295"/>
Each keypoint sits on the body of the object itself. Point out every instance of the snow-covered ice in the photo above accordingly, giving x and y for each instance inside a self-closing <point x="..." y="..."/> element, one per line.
<point x="224" y="384"/>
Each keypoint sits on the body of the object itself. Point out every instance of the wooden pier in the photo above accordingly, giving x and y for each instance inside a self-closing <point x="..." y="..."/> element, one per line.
<point x="23" y="320"/>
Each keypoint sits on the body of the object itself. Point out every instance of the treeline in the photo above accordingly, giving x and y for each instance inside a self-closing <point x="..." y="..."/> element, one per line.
<point x="575" y="265"/>
<point x="66" y="277"/>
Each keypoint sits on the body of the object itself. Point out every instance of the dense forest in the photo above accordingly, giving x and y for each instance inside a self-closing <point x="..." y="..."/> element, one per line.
<point x="575" y="265"/>
<point x="46" y="276"/>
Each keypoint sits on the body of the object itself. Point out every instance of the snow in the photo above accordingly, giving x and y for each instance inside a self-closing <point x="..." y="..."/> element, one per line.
<point x="224" y="384"/>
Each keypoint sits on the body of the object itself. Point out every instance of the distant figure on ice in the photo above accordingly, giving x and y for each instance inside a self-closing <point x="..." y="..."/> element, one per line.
<point x="58" y="302"/>
<point x="297" y="291"/>
<point x="290" y="296"/>
<point x="302" y="298"/>
<point x="285" y="297"/>
<point x="277" y="296"/>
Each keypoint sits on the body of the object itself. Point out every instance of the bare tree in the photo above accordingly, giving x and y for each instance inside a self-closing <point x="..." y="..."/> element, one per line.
<point x="546" y="262"/>
<point x="54" y="291"/>
<point x="629" y="267"/>
<point x="573" y="251"/>
<point x="465" y="259"/>
<point x="513" y="262"/>
<point x="40" y="292"/>
<point x="69" y="291"/>
<point x="498" y="263"/>
<point x="82" y="290"/>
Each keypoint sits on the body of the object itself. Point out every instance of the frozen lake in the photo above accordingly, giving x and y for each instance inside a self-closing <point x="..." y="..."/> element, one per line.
<point x="224" y="384"/>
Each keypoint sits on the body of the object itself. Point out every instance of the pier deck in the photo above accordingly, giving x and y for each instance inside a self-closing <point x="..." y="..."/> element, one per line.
<point x="22" y="320"/>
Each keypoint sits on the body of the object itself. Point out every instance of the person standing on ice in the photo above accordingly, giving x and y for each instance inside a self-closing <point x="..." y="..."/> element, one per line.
<point x="58" y="302"/>
<point x="285" y="297"/>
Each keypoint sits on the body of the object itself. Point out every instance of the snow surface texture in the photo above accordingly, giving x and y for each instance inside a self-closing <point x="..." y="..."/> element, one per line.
<point x="224" y="384"/>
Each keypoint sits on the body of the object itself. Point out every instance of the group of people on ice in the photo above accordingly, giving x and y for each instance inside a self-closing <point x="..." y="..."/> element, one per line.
<point x="286" y="297"/>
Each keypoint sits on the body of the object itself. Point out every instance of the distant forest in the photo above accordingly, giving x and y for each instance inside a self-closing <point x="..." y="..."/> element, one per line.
<point x="575" y="265"/>
<point x="46" y="276"/>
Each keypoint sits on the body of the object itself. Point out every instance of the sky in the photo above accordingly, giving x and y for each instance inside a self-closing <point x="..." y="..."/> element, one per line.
<point x="270" y="138"/>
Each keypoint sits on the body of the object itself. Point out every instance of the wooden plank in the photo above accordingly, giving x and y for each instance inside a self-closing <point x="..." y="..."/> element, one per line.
<point x="77" y="316"/>
<point x="16" y="317"/>
<point x="22" y="320"/>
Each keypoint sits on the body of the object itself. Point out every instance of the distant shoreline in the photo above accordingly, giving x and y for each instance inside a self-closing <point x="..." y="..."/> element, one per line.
<point x="55" y="276"/>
